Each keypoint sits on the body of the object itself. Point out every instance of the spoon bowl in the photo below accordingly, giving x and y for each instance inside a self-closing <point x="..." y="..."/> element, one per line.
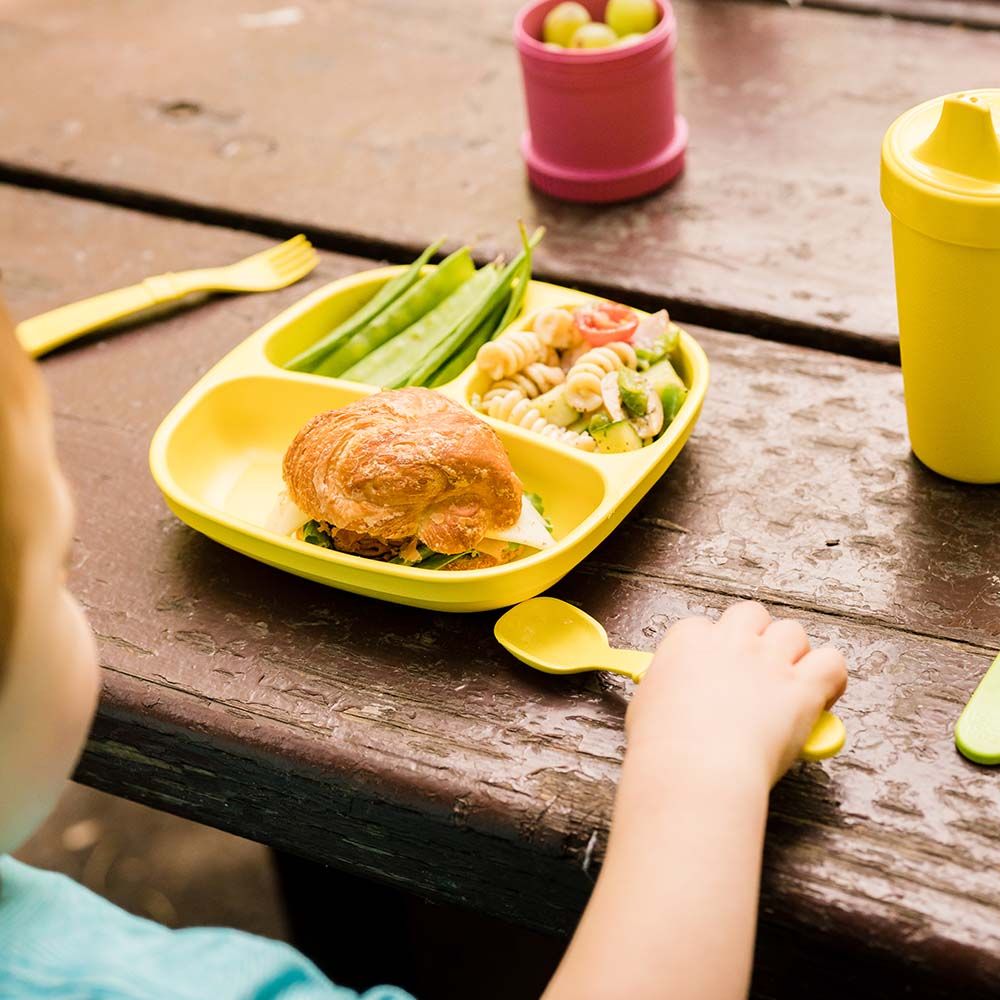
<point x="551" y="635"/>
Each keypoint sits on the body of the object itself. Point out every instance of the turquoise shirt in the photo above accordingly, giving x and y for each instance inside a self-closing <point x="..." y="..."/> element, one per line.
<point x="59" y="940"/>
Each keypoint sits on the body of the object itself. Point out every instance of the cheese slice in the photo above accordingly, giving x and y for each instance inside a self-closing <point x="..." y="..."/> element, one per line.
<point x="285" y="518"/>
<point x="530" y="529"/>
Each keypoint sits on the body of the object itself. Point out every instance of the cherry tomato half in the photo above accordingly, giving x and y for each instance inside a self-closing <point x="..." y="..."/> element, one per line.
<point x="604" y="322"/>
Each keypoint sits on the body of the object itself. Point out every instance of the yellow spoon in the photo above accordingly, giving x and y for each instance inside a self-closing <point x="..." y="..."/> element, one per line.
<point x="557" y="637"/>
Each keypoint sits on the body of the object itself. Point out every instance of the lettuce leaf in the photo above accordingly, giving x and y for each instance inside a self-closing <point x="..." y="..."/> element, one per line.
<point x="536" y="501"/>
<point x="315" y="535"/>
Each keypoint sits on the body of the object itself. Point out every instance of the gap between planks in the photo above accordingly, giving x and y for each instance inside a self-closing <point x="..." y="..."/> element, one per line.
<point x="763" y="326"/>
<point x="593" y="566"/>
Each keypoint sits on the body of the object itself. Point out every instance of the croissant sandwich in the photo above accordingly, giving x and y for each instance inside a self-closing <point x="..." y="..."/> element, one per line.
<point x="408" y="476"/>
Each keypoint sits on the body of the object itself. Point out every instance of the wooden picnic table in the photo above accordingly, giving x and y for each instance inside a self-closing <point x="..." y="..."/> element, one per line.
<point x="403" y="744"/>
<point x="382" y="147"/>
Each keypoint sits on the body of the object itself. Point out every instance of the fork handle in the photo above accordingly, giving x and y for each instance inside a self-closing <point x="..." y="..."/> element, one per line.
<point x="50" y="330"/>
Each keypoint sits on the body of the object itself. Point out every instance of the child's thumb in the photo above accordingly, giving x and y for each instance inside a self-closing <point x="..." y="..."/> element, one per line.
<point x="824" y="672"/>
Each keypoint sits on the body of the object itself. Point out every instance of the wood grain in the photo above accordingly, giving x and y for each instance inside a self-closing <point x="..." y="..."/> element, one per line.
<point x="406" y="746"/>
<point x="378" y="127"/>
<point x="981" y="14"/>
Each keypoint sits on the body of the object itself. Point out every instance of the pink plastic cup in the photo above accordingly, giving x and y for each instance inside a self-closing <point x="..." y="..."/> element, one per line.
<point x="602" y="125"/>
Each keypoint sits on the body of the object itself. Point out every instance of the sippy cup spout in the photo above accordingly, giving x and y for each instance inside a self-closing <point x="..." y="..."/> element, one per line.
<point x="964" y="140"/>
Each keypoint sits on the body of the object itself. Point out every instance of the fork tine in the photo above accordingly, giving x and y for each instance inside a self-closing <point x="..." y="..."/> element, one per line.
<point x="293" y="253"/>
<point x="261" y="257"/>
<point x="303" y="251"/>
<point x="299" y="267"/>
<point x="294" y="242"/>
<point x="303" y="258"/>
<point x="282" y="249"/>
<point x="291" y="277"/>
<point x="277" y="266"/>
<point x="291" y="247"/>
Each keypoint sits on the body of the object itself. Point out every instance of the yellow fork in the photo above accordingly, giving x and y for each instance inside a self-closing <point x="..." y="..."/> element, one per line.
<point x="263" y="272"/>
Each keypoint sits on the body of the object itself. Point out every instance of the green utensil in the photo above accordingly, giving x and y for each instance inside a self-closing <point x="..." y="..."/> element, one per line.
<point x="977" y="732"/>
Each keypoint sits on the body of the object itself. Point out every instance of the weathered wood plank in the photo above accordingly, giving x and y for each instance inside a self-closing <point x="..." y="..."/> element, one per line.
<point x="802" y="489"/>
<point x="56" y="250"/>
<point x="890" y="849"/>
<point x="392" y="125"/>
<point x="982" y="14"/>
<point x="848" y="520"/>
<point x="405" y="745"/>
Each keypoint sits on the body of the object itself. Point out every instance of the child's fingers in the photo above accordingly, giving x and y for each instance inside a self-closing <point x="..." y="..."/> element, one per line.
<point x="746" y="615"/>
<point x="682" y="634"/>
<point x="787" y="639"/>
<point x="686" y="628"/>
<point x="824" y="670"/>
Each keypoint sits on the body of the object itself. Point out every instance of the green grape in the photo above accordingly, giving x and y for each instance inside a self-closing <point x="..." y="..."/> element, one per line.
<point x="562" y="22"/>
<point x="593" y="36"/>
<point x="631" y="39"/>
<point x="631" y="17"/>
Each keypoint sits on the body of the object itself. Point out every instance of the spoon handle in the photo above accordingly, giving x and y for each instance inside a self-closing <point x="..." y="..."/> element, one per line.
<point x="825" y="740"/>
<point x="632" y="663"/>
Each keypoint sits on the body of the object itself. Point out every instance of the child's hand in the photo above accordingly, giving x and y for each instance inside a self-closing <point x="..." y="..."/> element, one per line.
<point x="745" y="690"/>
<point x="721" y="713"/>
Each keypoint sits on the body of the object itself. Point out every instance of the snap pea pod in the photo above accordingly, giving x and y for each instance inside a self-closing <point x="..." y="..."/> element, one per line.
<point x="387" y="294"/>
<point x="522" y="278"/>
<point x="436" y="358"/>
<point x="466" y="354"/>
<point x="389" y="365"/>
<point x="431" y="289"/>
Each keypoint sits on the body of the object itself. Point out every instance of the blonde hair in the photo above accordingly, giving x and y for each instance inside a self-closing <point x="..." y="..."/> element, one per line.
<point x="21" y="396"/>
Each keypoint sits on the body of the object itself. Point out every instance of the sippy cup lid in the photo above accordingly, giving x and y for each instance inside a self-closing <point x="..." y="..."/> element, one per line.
<point x="941" y="168"/>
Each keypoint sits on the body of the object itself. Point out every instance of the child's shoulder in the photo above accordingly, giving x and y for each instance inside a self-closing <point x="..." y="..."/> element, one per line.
<point x="58" y="939"/>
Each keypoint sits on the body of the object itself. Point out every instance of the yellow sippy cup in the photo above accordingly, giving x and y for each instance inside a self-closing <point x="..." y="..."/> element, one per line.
<point x="941" y="184"/>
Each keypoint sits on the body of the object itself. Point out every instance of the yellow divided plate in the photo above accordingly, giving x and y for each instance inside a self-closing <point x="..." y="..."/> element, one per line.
<point x="217" y="458"/>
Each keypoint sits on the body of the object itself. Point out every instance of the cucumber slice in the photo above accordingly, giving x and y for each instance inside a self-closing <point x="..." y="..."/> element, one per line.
<point x="617" y="437"/>
<point x="660" y="375"/>
<point x="633" y="390"/>
<point x="672" y="399"/>
<point x="668" y="386"/>
<point x="552" y="405"/>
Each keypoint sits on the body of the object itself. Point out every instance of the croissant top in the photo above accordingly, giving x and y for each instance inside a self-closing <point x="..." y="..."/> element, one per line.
<point x="405" y="464"/>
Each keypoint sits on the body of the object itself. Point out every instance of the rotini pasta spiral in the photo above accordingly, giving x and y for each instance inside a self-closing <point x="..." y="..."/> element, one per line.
<point x="583" y="381"/>
<point x="557" y="328"/>
<point x="511" y="352"/>
<point x="532" y="382"/>
<point x="513" y="407"/>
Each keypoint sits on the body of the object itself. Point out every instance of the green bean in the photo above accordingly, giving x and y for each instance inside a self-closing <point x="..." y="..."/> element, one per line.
<point x="389" y="365"/>
<point x="466" y="354"/>
<point x="385" y="296"/>
<point x="431" y="289"/>
<point x="436" y="358"/>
